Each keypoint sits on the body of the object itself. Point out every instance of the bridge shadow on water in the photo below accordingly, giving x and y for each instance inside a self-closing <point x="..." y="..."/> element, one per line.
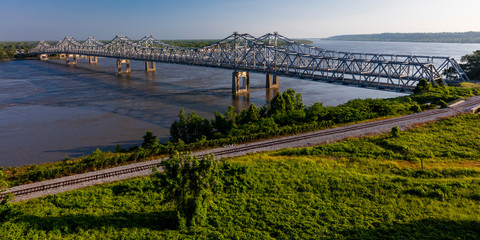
<point x="143" y="96"/>
<point x="144" y="89"/>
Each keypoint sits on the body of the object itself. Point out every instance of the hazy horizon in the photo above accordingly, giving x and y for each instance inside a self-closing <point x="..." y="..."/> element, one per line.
<point x="214" y="19"/>
<point x="231" y="33"/>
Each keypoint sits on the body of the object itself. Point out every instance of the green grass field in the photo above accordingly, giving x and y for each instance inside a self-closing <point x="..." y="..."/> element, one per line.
<point x="370" y="188"/>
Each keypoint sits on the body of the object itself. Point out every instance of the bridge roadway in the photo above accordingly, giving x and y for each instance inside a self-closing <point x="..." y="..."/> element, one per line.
<point x="48" y="187"/>
<point x="273" y="55"/>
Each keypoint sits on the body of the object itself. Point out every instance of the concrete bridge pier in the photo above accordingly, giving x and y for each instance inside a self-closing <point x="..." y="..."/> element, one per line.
<point x="71" y="56"/>
<point x="150" y="66"/>
<point x="127" y="65"/>
<point x="271" y="81"/>
<point x="245" y="81"/>
<point x="92" y="59"/>
<point x="43" y="57"/>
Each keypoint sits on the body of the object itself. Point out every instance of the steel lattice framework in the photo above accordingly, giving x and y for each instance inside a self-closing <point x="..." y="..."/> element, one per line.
<point x="275" y="54"/>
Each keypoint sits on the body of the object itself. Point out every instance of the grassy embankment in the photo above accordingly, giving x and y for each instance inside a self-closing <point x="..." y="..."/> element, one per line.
<point x="244" y="129"/>
<point x="369" y="188"/>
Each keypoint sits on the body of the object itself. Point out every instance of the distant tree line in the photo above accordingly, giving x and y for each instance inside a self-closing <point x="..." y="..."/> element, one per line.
<point x="12" y="50"/>
<point x="445" y="37"/>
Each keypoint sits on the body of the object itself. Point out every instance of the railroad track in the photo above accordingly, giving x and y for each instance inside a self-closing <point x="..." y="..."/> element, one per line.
<point x="464" y="107"/>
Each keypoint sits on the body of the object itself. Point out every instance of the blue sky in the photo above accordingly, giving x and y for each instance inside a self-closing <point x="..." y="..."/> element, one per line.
<point x="213" y="19"/>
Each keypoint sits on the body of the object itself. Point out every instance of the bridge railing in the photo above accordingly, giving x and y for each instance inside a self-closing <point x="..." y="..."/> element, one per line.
<point x="275" y="54"/>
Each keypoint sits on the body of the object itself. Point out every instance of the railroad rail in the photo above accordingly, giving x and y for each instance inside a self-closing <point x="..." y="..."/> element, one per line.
<point x="466" y="106"/>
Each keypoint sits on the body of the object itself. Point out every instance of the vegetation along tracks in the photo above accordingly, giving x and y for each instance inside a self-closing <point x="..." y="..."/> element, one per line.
<point x="33" y="190"/>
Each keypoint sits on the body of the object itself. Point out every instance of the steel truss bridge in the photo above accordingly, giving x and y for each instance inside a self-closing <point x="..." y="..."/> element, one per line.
<point x="273" y="55"/>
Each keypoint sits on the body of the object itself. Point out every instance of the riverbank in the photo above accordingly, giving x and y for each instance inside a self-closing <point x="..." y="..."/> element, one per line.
<point x="34" y="190"/>
<point x="364" y="188"/>
<point x="49" y="110"/>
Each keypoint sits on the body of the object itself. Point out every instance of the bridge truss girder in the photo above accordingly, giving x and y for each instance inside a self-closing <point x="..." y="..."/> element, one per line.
<point x="276" y="55"/>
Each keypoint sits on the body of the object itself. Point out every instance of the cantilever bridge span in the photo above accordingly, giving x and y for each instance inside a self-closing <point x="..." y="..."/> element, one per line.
<point x="273" y="55"/>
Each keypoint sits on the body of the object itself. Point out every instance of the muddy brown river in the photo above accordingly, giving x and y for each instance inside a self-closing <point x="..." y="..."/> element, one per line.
<point x="49" y="110"/>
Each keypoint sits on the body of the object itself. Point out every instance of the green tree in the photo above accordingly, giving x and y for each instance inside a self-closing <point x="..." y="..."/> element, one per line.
<point x="3" y="184"/>
<point x="289" y="97"/>
<point x="178" y="128"/>
<point x="6" y="208"/>
<point x="316" y="112"/>
<point x="190" y="182"/>
<point x="3" y="55"/>
<point x="422" y="86"/>
<point x="471" y="65"/>
<point x="277" y="104"/>
<point x="395" y="132"/>
<point x="220" y="123"/>
<point x="253" y="114"/>
<point x="196" y="127"/>
<point x="149" y="140"/>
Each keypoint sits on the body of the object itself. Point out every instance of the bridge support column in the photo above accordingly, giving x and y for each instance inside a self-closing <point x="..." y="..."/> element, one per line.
<point x="43" y="57"/>
<point x="92" y="59"/>
<point x="119" y="65"/>
<point x="74" y="61"/>
<point x="150" y="66"/>
<point x="236" y="87"/>
<point x="271" y="81"/>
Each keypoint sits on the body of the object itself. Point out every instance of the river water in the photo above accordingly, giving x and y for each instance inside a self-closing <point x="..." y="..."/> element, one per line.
<point x="49" y="110"/>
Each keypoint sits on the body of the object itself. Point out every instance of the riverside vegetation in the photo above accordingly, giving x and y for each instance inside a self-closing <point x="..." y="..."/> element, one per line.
<point x="417" y="184"/>
<point x="285" y="115"/>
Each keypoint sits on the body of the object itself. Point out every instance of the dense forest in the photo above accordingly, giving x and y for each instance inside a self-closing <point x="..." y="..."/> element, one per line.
<point x="444" y="37"/>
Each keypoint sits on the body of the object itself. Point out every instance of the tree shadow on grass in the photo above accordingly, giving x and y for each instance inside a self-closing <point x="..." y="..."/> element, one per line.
<point x="165" y="220"/>
<point x="421" y="229"/>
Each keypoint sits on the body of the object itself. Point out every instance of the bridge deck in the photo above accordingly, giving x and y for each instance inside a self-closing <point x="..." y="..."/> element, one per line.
<point x="243" y="52"/>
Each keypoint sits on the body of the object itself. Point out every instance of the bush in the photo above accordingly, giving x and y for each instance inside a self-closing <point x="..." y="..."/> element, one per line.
<point x="422" y="86"/>
<point x="190" y="183"/>
<point x="149" y="141"/>
<point x="395" y="132"/>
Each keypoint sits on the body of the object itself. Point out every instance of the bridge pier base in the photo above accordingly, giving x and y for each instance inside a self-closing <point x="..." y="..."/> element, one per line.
<point x="271" y="81"/>
<point x="92" y="59"/>
<point x="119" y="66"/>
<point x="150" y="66"/>
<point x="43" y="57"/>
<point x="74" y="57"/>
<point x="236" y="87"/>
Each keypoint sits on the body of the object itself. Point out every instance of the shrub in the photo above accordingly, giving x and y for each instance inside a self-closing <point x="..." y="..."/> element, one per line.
<point x="395" y="132"/>
<point x="190" y="183"/>
<point x="149" y="141"/>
